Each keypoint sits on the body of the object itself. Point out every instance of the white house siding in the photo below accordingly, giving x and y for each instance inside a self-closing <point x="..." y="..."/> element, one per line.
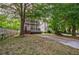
<point x="43" y="26"/>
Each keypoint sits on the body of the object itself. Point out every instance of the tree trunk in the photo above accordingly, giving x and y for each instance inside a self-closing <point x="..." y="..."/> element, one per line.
<point x="57" y="32"/>
<point x="73" y="30"/>
<point x="22" y="15"/>
<point x="69" y="30"/>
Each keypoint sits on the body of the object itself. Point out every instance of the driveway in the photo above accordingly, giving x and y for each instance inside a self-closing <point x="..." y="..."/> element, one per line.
<point x="63" y="40"/>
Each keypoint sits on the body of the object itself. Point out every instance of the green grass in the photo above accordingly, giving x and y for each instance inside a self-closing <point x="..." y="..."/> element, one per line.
<point x="34" y="45"/>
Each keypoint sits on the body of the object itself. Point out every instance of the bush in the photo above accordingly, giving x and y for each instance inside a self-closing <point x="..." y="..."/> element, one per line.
<point x="10" y="24"/>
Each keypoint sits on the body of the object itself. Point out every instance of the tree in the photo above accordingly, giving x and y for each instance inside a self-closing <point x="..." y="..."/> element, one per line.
<point x="16" y="9"/>
<point x="66" y="16"/>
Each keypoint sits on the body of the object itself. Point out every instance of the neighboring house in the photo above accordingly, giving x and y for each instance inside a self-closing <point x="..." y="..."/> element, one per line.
<point x="35" y="26"/>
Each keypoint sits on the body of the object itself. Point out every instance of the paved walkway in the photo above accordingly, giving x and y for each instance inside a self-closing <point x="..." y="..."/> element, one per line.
<point x="66" y="41"/>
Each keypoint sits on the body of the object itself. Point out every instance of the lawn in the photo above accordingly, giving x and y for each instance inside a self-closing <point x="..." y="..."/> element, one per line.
<point x="34" y="45"/>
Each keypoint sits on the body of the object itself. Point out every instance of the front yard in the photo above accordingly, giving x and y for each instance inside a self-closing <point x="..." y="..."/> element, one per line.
<point x="34" y="45"/>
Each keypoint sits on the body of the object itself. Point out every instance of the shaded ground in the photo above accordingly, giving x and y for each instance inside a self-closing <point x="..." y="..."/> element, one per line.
<point x="33" y="44"/>
<point x="63" y="40"/>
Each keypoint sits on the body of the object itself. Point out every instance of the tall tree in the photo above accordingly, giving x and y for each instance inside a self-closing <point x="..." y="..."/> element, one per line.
<point x="16" y="9"/>
<point x="22" y="15"/>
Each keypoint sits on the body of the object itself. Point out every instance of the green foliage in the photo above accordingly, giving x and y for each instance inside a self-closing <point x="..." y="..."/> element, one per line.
<point x="10" y="24"/>
<point x="64" y="17"/>
<point x="60" y="17"/>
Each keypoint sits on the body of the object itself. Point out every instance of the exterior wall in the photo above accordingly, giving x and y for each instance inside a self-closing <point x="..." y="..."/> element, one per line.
<point x="43" y="26"/>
